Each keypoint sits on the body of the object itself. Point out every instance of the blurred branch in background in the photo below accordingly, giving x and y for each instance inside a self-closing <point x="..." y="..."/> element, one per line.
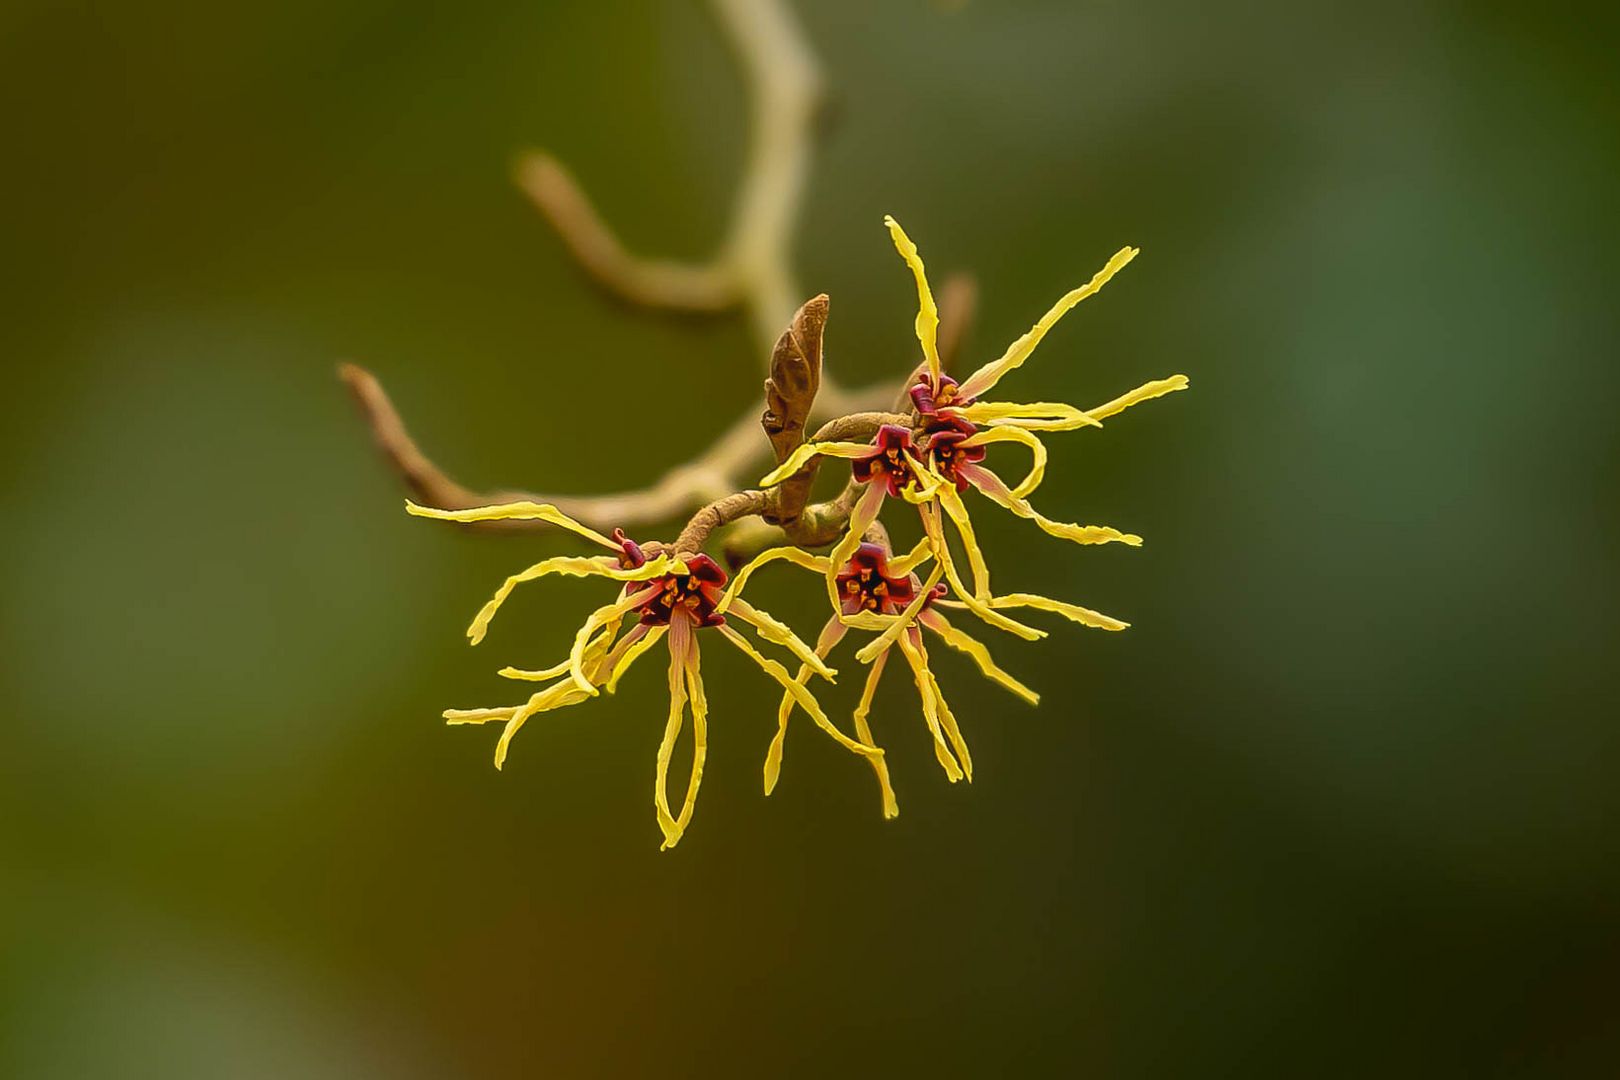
<point x="752" y="270"/>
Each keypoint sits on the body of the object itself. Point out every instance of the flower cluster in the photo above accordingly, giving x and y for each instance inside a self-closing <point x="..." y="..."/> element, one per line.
<point x="929" y="458"/>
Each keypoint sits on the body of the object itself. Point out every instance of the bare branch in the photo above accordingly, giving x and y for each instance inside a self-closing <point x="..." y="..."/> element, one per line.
<point x="654" y="283"/>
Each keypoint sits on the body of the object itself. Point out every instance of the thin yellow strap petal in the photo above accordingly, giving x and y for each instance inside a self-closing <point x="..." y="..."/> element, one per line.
<point x="952" y="502"/>
<point x="559" y="696"/>
<point x="805" y="699"/>
<point x="700" y="742"/>
<point x="1037" y="416"/>
<point x="805" y="451"/>
<point x="544" y="675"/>
<point x="775" y="631"/>
<point x="1074" y="612"/>
<point x="976" y="384"/>
<point x="1145" y="392"/>
<point x="956" y="639"/>
<point x="478" y="716"/>
<point x="678" y="640"/>
<point x="516" y="511"/>
<point x="928" y="485"/>
<point x="601" y="616"/>
<point x="795" y="555"/>
<point x="573" y="566"/>
<point x="905" y="564"/>
<point x="832" y="632"/>
<point x="927" y="311"/>
<point x="996" y="489"/>
<point x="1037" y="450"/>
<point x="925" y="690"/>
<point x="935" y="529"/>
<point x="947" y="720"/>
<point x="880" y="644"/>
<point x="863" y="731"/>
<point x="619" y="662"/>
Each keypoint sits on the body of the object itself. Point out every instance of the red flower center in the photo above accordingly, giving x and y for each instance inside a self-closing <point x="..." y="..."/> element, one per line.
<point x="695" y="593"/>
<point x="865" y="584"/>
<point x="887" y="460"/>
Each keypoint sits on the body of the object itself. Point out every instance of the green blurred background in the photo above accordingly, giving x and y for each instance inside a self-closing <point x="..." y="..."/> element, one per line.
<point x="1342" y="802"/>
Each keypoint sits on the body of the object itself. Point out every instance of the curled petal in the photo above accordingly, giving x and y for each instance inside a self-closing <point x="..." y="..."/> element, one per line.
<point x="863" y="731"/>
<point x="993" y="487"/>
<point x="986" y="377"/>
<point x="928" y="482"/>
<point x="700" y="741"/>
<point x="912" y="650"/>
<point x="831" y="634"/>
<point x="600" y="617"/>
<point x="927" y="310"/>
<point x="1037" y="450"/>
<point x="935" y="529"/>
<point x="558" y="696"/>
<point x="775" y="631"/>
<point x="517" y="511"/>
<point x="956" y="639"/>
<point x="1145" y="392"/>
<point x="679" y="638"/>
<point x="878" y="645"/>
<point x="1039" y="416"/>
<point x="602" y="566"/>
<point x="805" y="451"/>
<point x="618" y="662"/>
<point x="1072" y="612"/>
<point x="795" y="555"/>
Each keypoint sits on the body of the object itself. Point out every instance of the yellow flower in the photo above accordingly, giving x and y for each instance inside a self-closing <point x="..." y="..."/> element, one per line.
<point x="942" y="458"/>
<point x="672" y="599"/>
<point x="881" y="593"/>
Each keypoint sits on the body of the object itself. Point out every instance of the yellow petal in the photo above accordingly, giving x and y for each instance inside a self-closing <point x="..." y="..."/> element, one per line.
<point x="805" y="451"/>
<point x="619" y="662"/>
<point x="552" y="697"/>
<point x="1145" y="392"/>
<point x="598" y="618"/>
<point x="927" y="311"/>
<point x="927" y="485"/>
<point x="478" y="716"/>
<point x="925" y="690"/>
<point x="996" y="489"/>
<point x="986" y="377"/>
<point x="947" y="720"/>
<point x="544" y="675"/>
<point x="952" y="502"/>
<point x="880" y="644"/>
<point x="572" y="566"/>
<point x="800" y="694"/>
<point x="516" y="511"/>
<point x="1037" y="450"/>
<point x="1037" y="416"/>
<point x="672" y="729"/>
<point x="956" y="639"/>
<point x="795" y="555"/>
<point x="905" y="564"/>
<point x="935" y="529"/>
<point x="863" y="731"/>
<point x="831" y="634"/>
<point x="700" y="741"/>
<point x="1073" y="612"/>
<point x="774" y="631"/>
